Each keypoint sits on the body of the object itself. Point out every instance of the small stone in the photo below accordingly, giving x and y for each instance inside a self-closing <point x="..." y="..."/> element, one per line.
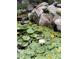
<point x="41" y="41"/>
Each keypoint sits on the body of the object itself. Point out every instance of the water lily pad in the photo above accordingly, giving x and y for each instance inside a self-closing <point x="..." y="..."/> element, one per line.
<point x="34" y="36"/>
<point x="19" y="41"/>
<point x="30" y="31"/>
<point x="30" y="52"/>
<point x="23" y="55"/>
<point x="40" y="50"/>
<point x="26" y="38"/>
<point x="25" y="44"/>
<point x="34" y="46"/>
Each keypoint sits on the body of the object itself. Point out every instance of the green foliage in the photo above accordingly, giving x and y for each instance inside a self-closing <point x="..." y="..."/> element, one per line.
<point x="41" y="57"/>
<point x="30" y="31"/>
<point x="26" y="38"/>
<point x="21" y="6"/>
<point x="29" y="36"/>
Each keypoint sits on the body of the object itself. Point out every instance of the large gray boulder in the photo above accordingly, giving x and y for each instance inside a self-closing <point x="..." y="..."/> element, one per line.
<point x="49" y="18"/>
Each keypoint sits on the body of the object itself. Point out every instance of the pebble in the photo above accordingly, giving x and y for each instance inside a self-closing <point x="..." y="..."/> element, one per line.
<point x="41" y="41"/>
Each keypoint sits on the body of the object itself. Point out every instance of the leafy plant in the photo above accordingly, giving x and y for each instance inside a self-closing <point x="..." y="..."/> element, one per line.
<point x="32" y="33"/>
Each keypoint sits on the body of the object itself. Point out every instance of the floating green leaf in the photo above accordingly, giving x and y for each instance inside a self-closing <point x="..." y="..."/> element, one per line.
<point x="40" y="49"/>
<point x="30" y="31"/>
<point x="26" y="38"/>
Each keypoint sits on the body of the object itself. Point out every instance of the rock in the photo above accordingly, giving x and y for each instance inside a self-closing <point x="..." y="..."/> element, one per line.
<point x="34" y="17"/>
<point x="59" y="5"/>
<point x="42" y="4"/>
<point x="37" y="11"/>
<point x="43" y="20"/>
<point x="41" y="41"/>
<point x="39" y="8"/>
<point x="56" y="20"/>
<point x="30" y="7"/>
<point x="58" y="23"/>
<point x="54" y="10"/>
<point x="58" y="10"/>
<point x="56" y="4"/>
<point x="45" y="14"/>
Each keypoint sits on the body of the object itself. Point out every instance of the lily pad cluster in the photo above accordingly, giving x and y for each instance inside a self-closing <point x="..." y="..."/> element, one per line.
<point x="29" y="37"/>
